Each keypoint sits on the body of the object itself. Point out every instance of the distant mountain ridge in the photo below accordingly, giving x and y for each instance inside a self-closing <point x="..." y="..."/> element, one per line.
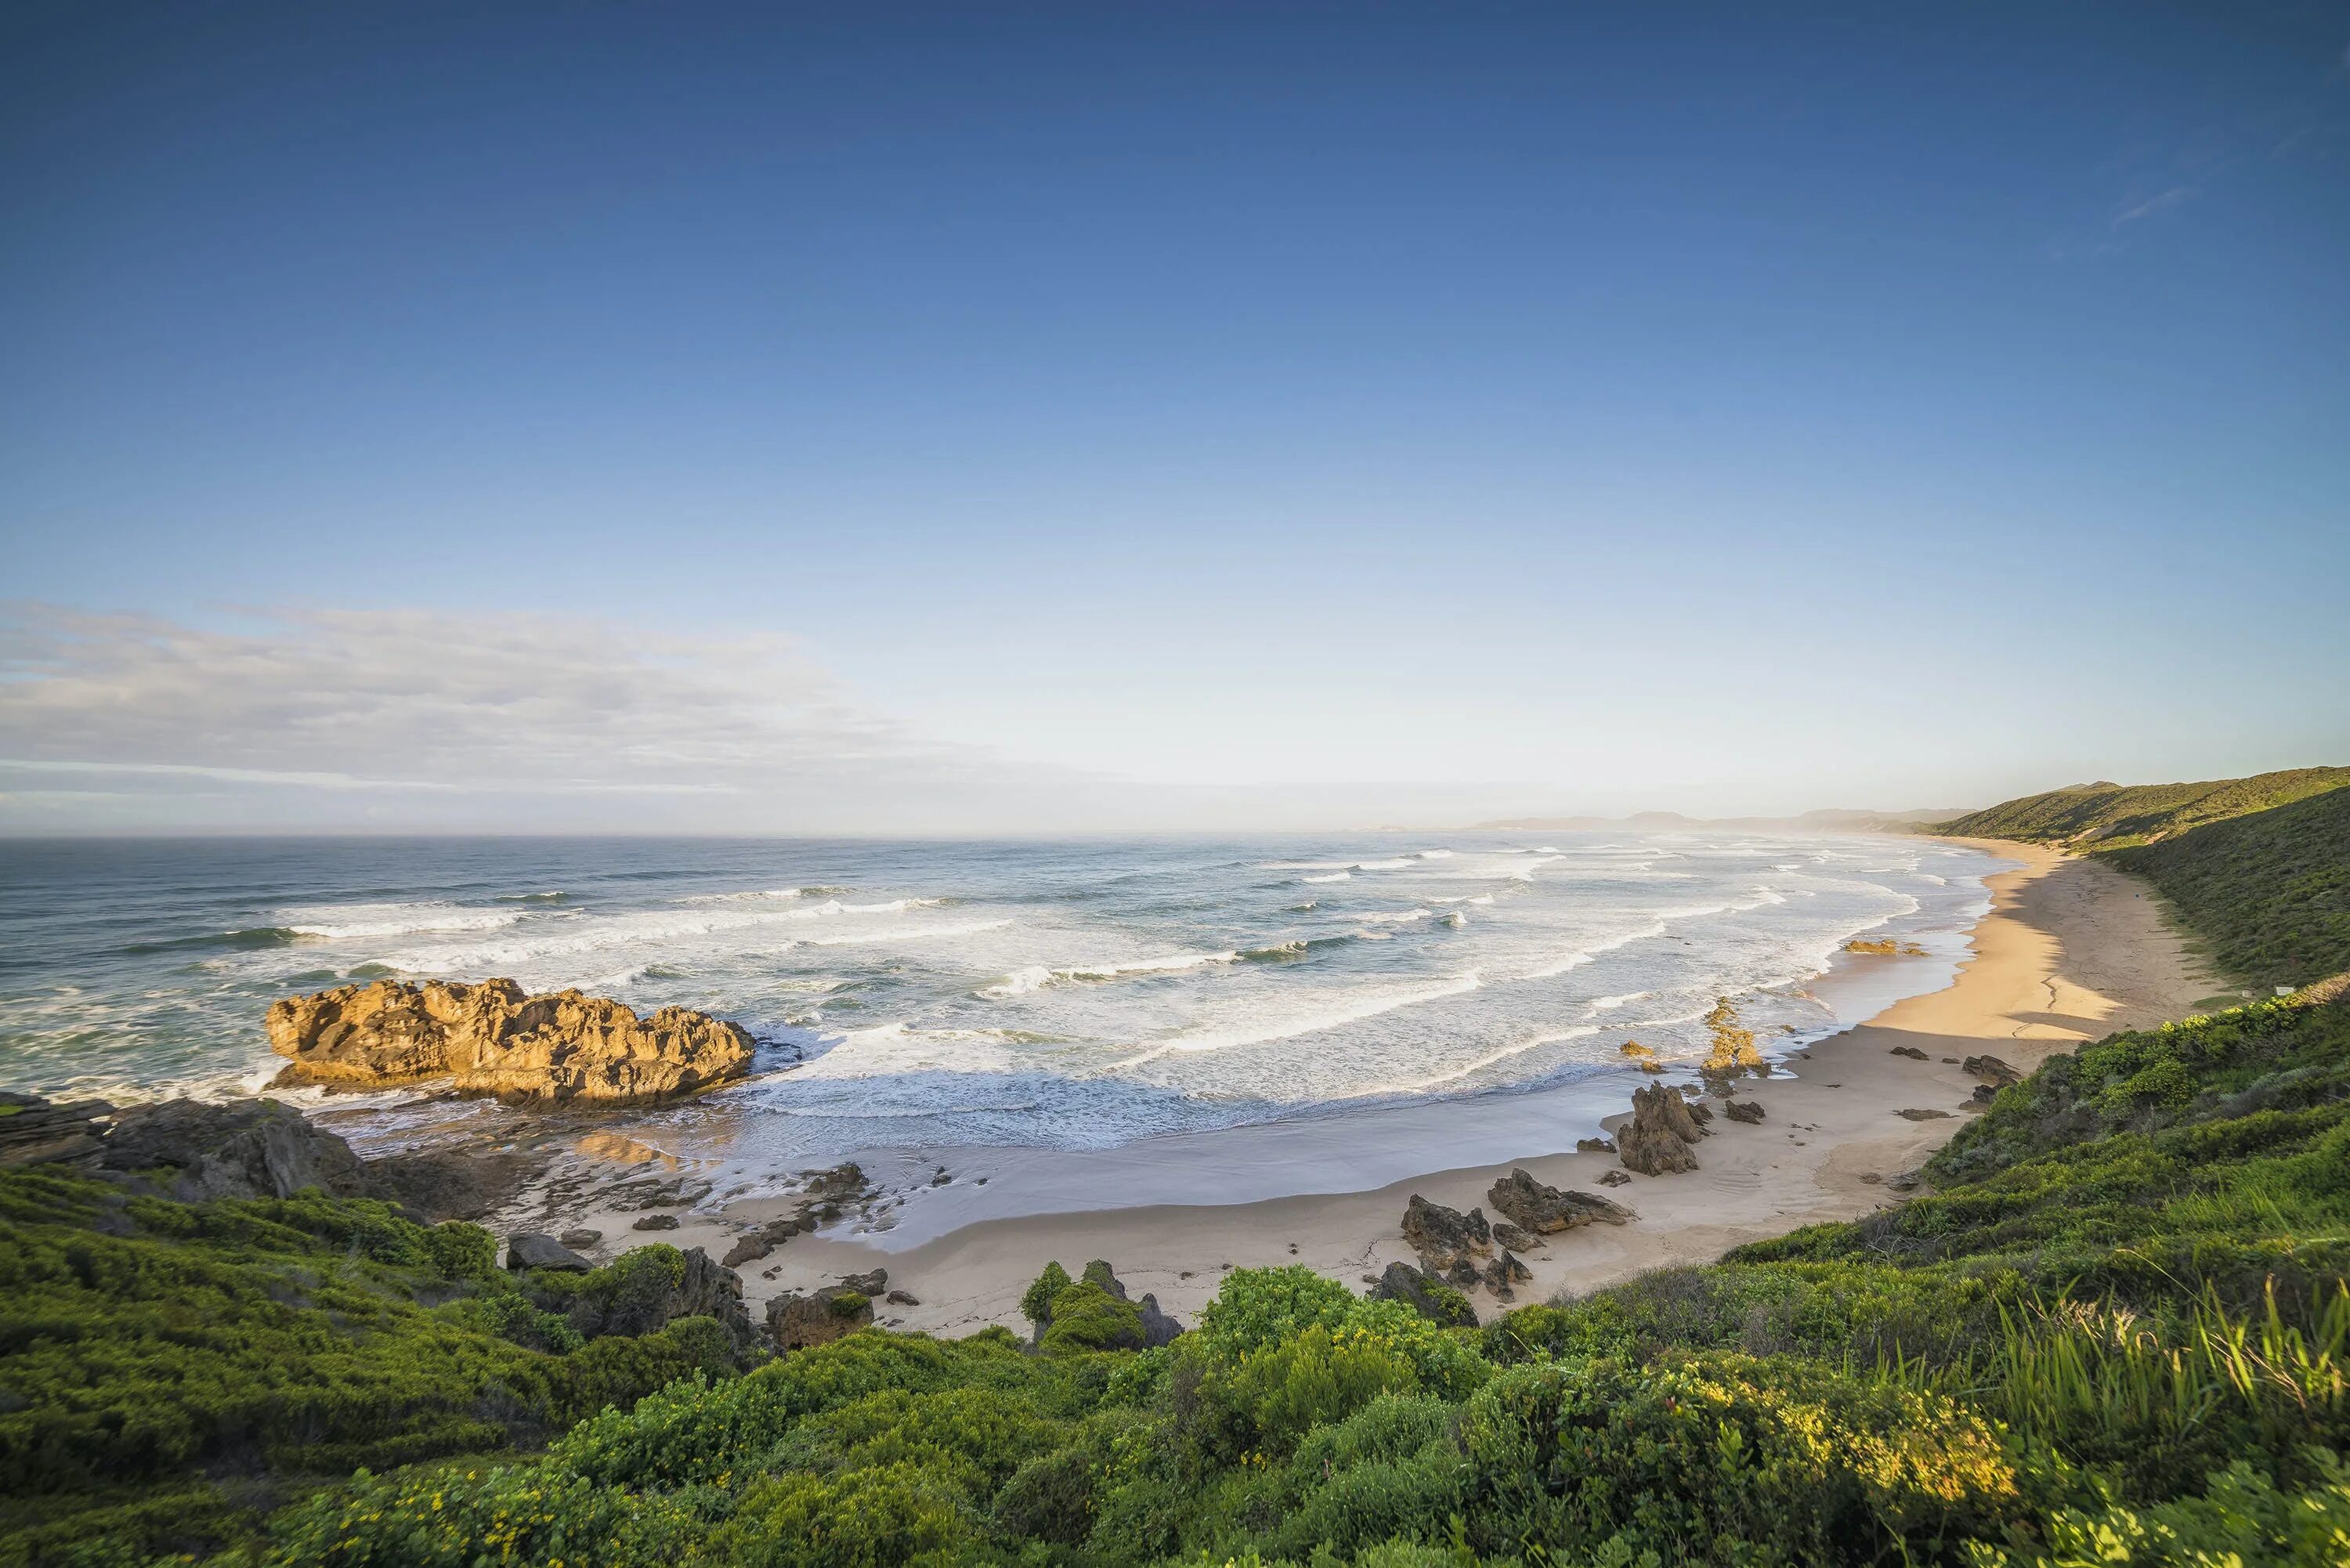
<point x="1830" y="820"/>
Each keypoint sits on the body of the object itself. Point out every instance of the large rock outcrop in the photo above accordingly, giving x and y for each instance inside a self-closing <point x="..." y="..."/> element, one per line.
<point x="34" y="1131"/>
<point x="1545" y="1209"/>
<point x="493" y="1039"/>
<point x="1661" y="1135"/>
<point x="246" y="1148"/>
<point x="1447" y="1239"/>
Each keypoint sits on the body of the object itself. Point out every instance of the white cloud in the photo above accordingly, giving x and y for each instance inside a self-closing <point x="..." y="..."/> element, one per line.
<point x="443" y="719"/>
<point x="2155" y="204"/>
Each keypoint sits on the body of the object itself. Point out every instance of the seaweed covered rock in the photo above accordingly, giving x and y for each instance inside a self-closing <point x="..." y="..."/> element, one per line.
<point x="645" y="1290"/>
<point x="1445" y="1237"/>
<point x="1093" y="1311"/>
<point x="245" y="1148"/>
<point x="798" y="1320"/>
<point x="493" y="1039"/>
<point x="1425" y="1294"/>
<point x="1657" y="1140"/>
<point x="1545" y="1209"/>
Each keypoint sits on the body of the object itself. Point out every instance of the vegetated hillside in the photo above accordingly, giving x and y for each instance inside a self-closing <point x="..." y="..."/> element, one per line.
<point x="2118" y="1332"/>
<point x="2269" y="893"/>
<point x="2258" y="869"/>
<point x="2111" y="817"/>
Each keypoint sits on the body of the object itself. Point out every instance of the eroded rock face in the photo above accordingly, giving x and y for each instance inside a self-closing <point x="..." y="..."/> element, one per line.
<point x="246" y="1148"/>
<point x="1749" y="1111"/>
<point x="1505" y="1273"/>
<point x="1404" y="1283"/>
<point x="1443" y="1237"/>
<point x="493" y="1039"/>
<point x="34" y="1131"/>
<point x="1657" y="1139"/>
<point x="1545" y="1209"/>
<point x="799" y="1320"/>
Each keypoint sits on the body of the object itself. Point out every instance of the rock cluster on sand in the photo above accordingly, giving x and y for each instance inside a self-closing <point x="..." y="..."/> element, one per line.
<point x="493" y="1039"/>
<point x="1447" y="1239"/>
<point x="1995" y="1074"/>
<point x="822" y="1196"/>
<point x="1748" y="1111"/>
<point x="1545" y="1209"/>
<point x="1662" y="1134"/>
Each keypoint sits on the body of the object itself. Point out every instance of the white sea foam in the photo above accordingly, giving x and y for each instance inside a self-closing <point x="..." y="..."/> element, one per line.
<point x="1322" y="1012"/>
<point x="1035" y="977"/>
<point x="1610" y="1003"/>
<point x="1333" y="877"/>
<point x="349" y="922"/>
<point x="1489" y="1059"/>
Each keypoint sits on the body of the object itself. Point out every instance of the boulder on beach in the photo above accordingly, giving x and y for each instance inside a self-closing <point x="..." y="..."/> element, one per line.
<point x="493" y="1039"/>
<point x="1748" y="1111"/>
<point x="1594" y="1145"/>
<point x="536" y="1249"/>
<point x="1615" y="1179"/>
<point x="1443" y="1237"/>
<point x="1545" y="1209"/>
<point x="1658" y="1138"/>
<point x="1991" y="1071"/>
<point x="800" y="1319"/>
<point x="1505" y="1273"/>
<point x="1425" y="1294"/>
<point x="1508" y="1235"/>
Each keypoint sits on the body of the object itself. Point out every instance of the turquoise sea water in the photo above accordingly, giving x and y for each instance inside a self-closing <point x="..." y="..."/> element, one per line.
<point x="1069" y="994"/>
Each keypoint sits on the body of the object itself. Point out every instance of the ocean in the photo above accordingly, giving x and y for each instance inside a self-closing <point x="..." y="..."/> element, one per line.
<point x="1056" y="995"/>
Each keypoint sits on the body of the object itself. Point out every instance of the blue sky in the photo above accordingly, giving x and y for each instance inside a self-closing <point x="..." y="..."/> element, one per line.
<point x="1162" y="414"/>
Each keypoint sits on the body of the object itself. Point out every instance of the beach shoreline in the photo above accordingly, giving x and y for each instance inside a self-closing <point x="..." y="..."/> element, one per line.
<point x="2069" y="950"/>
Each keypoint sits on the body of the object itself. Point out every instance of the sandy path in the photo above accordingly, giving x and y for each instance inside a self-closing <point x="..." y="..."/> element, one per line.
<point x="2071" y="950"/>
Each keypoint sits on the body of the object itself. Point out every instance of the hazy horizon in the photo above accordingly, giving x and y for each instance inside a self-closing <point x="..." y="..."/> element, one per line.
<point x="782" y="422"/>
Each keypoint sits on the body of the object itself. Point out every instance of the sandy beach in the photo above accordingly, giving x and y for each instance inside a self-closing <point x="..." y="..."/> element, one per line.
<point x="2070" y="950"/>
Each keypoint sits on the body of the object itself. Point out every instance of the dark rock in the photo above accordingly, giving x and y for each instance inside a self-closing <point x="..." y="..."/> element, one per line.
<point x="535" y="1250"/>
<point x="799" y="1320"/>
<point x="1657" y="1138"/>
<point x="1906" y="1180"/>
<point x="1984" y="1094"/>
<point x="1992" y="1070"/>
<point x="1426" y="1295"/>
<point x="34" y="1131"/>
<point x="654" y="1223"/>
<point x="872" y="1282"/>
<point x="1921" y="1113"/>
<point x="901" y="1298"/>
<point x="1462" y="1275"/>
<point x="1444" y="1236"/>
<point x="640" y="1301"/>
<point x="1870" y="1177"/>
<point x="1594" y="1145"/>
<point x="1909" y="1050"/>
<point x="582" y="1237"/>
<point x="748" y="1249"/>
<point x="1749" y="1111"/>
<point x="1545" y="1209"/>
<point x="1615" y="1179"/>
<point x="1158" y="1327"/>
<point x="1700" y="1113"/>
<point x="1508" y="1235"/>
<point x="246" y="1148"/>
<point x="846" y="1180"/>
<point x="1503" y="1272"/>
<point x="449" y="1184"/>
